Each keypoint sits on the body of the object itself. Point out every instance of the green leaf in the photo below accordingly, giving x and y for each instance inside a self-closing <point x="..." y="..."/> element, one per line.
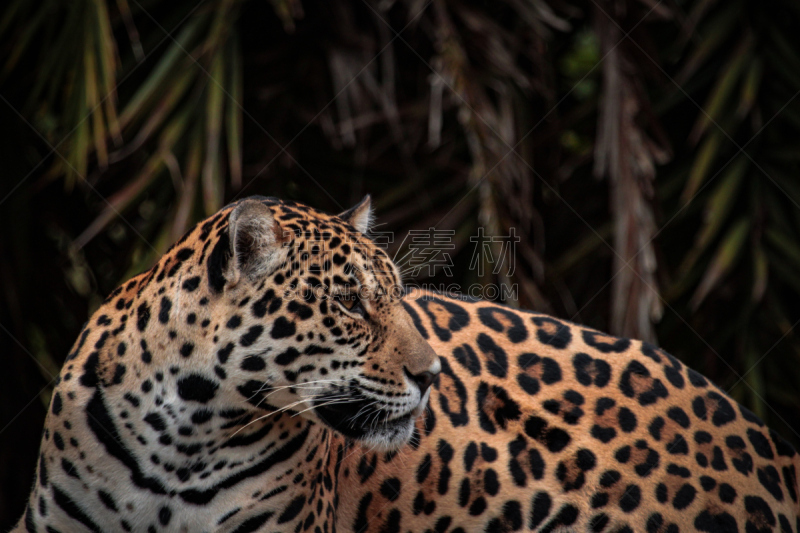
<point x="162" y="75"/>
<point x="12" y="13"/>
<point x="213" y="186"/>
<point x="760" y="274"/>
<point x="30" y="30"/>
<point x="96" y="111"/>
<point x="287" y="11"/>
<point x="715" y="105"/>
<point x="714" y="33"/>
<point x="754" y="378"/>
<point x="581" y="251"/>
<point x="785" y="53"/>
<point x="106" y="49"/>
<point x="716" y="212"/>
<point x="166" y="105"/>
<point x="785" y="272"/>
<point x="702" y="164"/>
<point x="787" y="245"/>
<point x="234" y="115"/>
<point x="752" y="81"/>
<point x="723" y="261"/>
<point x="122" y="199"/>
<point x="191" y="172"/>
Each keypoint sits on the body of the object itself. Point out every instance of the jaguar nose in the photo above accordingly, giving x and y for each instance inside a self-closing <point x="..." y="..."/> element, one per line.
<point x="423" y="379"/>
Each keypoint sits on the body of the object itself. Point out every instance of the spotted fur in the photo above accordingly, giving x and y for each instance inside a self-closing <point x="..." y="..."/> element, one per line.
<point x="538" y="424"/>
<point x="266" y="375"/>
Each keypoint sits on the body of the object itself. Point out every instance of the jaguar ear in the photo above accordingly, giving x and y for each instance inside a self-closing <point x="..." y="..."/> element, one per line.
<point x="360" y="215"/>
<point x="254" y="240"/>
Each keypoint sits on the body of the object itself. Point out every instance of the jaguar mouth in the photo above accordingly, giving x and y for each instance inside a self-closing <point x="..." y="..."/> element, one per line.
<point x="360" y="419"/>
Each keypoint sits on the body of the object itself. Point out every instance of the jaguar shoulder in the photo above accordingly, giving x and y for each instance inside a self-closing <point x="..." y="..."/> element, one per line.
<point x="266" y="374"/>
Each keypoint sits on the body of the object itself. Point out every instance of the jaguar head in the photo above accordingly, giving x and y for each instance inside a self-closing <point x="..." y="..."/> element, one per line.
<point x="321" y="331"/>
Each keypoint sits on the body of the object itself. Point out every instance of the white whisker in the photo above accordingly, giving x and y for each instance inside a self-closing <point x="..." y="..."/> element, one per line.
<point x="330" y="402"/>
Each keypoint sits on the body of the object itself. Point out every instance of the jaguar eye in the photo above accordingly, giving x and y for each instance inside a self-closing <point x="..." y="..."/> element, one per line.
<point x="351" y="303"/>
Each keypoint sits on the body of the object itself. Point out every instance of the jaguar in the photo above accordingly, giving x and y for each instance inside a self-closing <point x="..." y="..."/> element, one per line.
<point x="271" y="373"/>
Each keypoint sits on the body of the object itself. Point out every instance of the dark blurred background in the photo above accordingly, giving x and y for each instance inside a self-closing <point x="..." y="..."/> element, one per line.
<point x="645" y="152"/>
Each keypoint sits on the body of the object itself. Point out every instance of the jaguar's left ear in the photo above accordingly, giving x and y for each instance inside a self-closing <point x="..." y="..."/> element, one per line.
<point x="254" y="241"/>
<point x="360" y="215"/>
